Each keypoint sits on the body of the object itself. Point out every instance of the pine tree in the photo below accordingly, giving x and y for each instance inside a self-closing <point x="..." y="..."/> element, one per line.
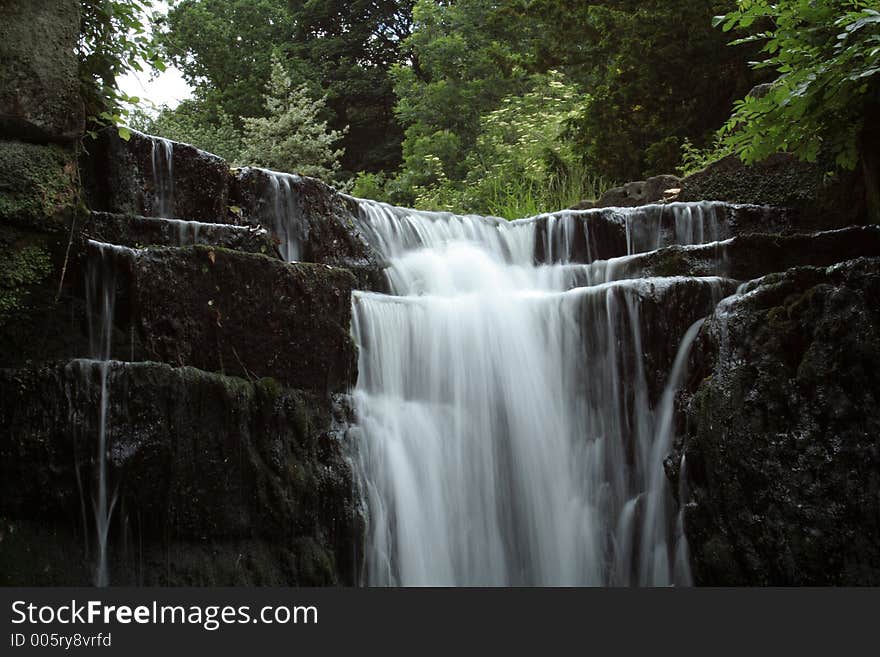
<point x="292" y="137"/>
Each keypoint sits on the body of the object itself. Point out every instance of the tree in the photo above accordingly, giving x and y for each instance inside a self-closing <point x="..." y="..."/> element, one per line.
<point x="827" y="56"/>
<point x="224" y="49"/>
<point x="465" y="57"/>
<point x="292" y="137"/>
<point x="659" y="75"/>
<point x="191" y="123"/>
<point x="343" y="50"/>
<point x="346" y="49"/>
<point x="113" y="41"/>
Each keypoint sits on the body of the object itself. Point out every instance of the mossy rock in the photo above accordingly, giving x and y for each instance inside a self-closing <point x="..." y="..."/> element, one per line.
<point x="26" y="264"/>
<point x="783" y="432"/>
<point x="782" y="180"/>
<point x="38" y="185"/>
<point x="218" y="481"/>
<point x="39" y="78"/>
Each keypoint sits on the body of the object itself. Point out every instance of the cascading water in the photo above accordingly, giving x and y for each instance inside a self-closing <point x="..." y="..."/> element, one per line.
<point x="163" y="177"/>
<point x="286" y="215"/>
<point x="506" y="434"/>
<point x="100" y="303"/>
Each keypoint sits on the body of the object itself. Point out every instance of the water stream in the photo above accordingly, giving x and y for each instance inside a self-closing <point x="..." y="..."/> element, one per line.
<point x="162" y="160"/>
<point x="101" y="275"/>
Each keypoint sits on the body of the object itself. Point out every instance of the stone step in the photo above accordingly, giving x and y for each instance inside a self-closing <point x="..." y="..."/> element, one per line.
<point x="226" y="311"/>
<point x="149" y="176"/>
<point x="138" y="231"/>
<point x="154" y="177"/>
<point x="741" y="258"/>
<point x="199" y="467"/>
<point x="585" y="236"/>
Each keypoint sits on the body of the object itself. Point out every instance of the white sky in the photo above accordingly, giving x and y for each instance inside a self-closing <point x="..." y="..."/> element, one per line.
<point x="168" y="88"/>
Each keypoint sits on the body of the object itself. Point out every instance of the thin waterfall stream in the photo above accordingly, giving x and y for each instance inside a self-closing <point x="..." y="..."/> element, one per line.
<point x="506" y="434"/>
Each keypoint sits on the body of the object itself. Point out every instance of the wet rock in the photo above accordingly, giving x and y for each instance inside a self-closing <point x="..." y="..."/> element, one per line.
<point x="782" y="181"/>
<point x="753" y="255"/>
<point x="134" y="231"/>
<point x="247" y="315"/>
<point x="133" y="177"/>
<point x="39" y="80"/>
<point x="649" y="318"/>
<point x="603" y="233"/>
<point x="310" y="219"/>
<point x="39" y="200"/>
<point x="216" y="481"/>
<point x="27" y="271"/>
<point x="783" y="439"/>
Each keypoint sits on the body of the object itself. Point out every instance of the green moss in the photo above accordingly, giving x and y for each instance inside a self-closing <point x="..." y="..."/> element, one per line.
<point x="38" y="185"/>
<point x="26" y="262"/>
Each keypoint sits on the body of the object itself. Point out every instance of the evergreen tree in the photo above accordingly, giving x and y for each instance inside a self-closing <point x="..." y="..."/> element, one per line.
<point x="292" y="137"/>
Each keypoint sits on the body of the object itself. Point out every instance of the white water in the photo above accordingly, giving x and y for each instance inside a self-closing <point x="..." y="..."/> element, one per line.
<point x="505" y="432"/>
<point x="100" y="306"/>
<point x="286" y="214"/>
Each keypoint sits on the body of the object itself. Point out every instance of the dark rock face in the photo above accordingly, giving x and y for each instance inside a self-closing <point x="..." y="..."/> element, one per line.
<point x="658" y="311"/>
<point x="322" y="220"/>
<point x="752" y="255"/>
<point x="604" y="233"/>
<point x="134" y="231"/>
<point x="783" y="432"/>
<point x="129" y="177"/>
<point x="39" y="199"/>
<point x="781" y="181"/>
<point x="246" y="315"/>
<point x="39" y="85"/>
<point x="217" y="481"/>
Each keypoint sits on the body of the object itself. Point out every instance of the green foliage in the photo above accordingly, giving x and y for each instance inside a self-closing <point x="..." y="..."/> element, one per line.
<point x="190" y="123"/>
<point x="22" y="266"/>
<point x="114" y="40"/>
<point x="341" y="50"/>
<point x="292" y="137"/>
<point x="345" y="49"/>
<point x="520" y="163"/>
<point x="466" y="57"/>
<point x="827" y="56"/>
<point x="370" y="185"/>
<point x="694" y="159"/>
<point x="658" y="74"/>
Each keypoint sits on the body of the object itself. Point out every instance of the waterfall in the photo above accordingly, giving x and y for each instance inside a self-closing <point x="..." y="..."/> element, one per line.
<point x="163" y="177"/>
<point x="100" y="306"/>
<point x="506" y="433"/>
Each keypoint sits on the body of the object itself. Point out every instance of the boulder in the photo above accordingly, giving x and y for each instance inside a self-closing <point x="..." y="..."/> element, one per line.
<point x="782" y="447"/>
<point x="216" y="480"/>
<point x="632" y="194"/>
<point x="39" y="80"/>
<point x="137" y="177"/>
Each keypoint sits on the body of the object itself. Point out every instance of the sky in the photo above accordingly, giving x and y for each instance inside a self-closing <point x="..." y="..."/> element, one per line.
<point x="168" y="88"/>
